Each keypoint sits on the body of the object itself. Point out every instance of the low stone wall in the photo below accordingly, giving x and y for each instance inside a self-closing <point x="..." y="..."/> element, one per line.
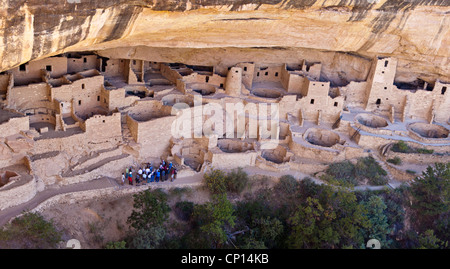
<point x="418" y="157"/>
<point x="12" y="196"/>
<point x="311" y="152"/>
<point x="307" y="168"/>
<point x="222" y="160"/>
<point x="428" y="140"/>
<point x="270" y="166"/>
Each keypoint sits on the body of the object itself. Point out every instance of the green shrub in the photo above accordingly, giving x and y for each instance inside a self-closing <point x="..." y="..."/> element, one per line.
<point x="287" y="185"/>
<point x="349" y="181"/>
<point x="369" y="168"/>
<point x="401" y="146"/>
<point x="395" y="160"/>
<point x="425" y="151"/>
<point x="215" y="181"/>
<point x="378" y="180"/>
<point x="342" y="170"/>
<point x="116" y="245"/>
<point x="237" y="180"/>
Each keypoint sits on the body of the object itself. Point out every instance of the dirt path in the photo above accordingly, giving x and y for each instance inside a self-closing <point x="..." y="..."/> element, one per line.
<point x="7" y="214"/>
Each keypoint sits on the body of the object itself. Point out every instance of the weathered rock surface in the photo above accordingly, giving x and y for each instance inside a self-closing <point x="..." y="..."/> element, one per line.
<point x="414" y="31"/>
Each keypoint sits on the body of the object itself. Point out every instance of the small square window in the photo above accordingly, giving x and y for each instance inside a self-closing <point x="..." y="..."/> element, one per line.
<point x="85" y="60"/>
<point x="267" y="73"/>
<point x="98" y="98"/>
<point x="257" y="74"/>
<point x="82" y="86"/>
<point x="48" y="68"/>
<point x="276" y="74"/>
<point x="23" y="67"/>
<point x="79" y="102"/>
<point x="335" y="103"/>
<point x="245" y="68"/>
<point x="312" y="101"/>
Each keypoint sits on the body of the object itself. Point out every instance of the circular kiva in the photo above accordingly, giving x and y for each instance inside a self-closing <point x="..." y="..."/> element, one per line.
<point x="371" y="121"/>
<point x="429" y="130"/>
<point x="321" y="137"/>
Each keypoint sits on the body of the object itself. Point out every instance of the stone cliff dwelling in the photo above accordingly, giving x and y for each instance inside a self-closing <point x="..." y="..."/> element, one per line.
<point x="78" y="116"/>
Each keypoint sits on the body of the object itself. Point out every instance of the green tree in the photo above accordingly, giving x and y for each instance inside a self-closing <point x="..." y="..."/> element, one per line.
<point x="150" y="209"/>
<point x="378" y="223"/>
<point x="215" y="218"/>
<point x="312" y="226"/>
<point x="252" y="243"/>
<point x="431" y="193"/>
<point x="268" y="230"/>
<point x="428" y="240"/>
<point x="148" y="238"/>
<point x="350" y="217"/>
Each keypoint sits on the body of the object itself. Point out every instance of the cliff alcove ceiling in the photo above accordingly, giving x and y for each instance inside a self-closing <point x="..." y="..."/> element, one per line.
<point x="344" y="34"/>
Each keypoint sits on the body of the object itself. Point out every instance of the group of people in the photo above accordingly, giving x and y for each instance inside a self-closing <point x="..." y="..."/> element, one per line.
<point x="148" y="173"/>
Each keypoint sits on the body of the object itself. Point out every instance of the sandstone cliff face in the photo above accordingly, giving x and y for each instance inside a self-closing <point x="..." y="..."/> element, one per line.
<point x="414" y="31"/>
